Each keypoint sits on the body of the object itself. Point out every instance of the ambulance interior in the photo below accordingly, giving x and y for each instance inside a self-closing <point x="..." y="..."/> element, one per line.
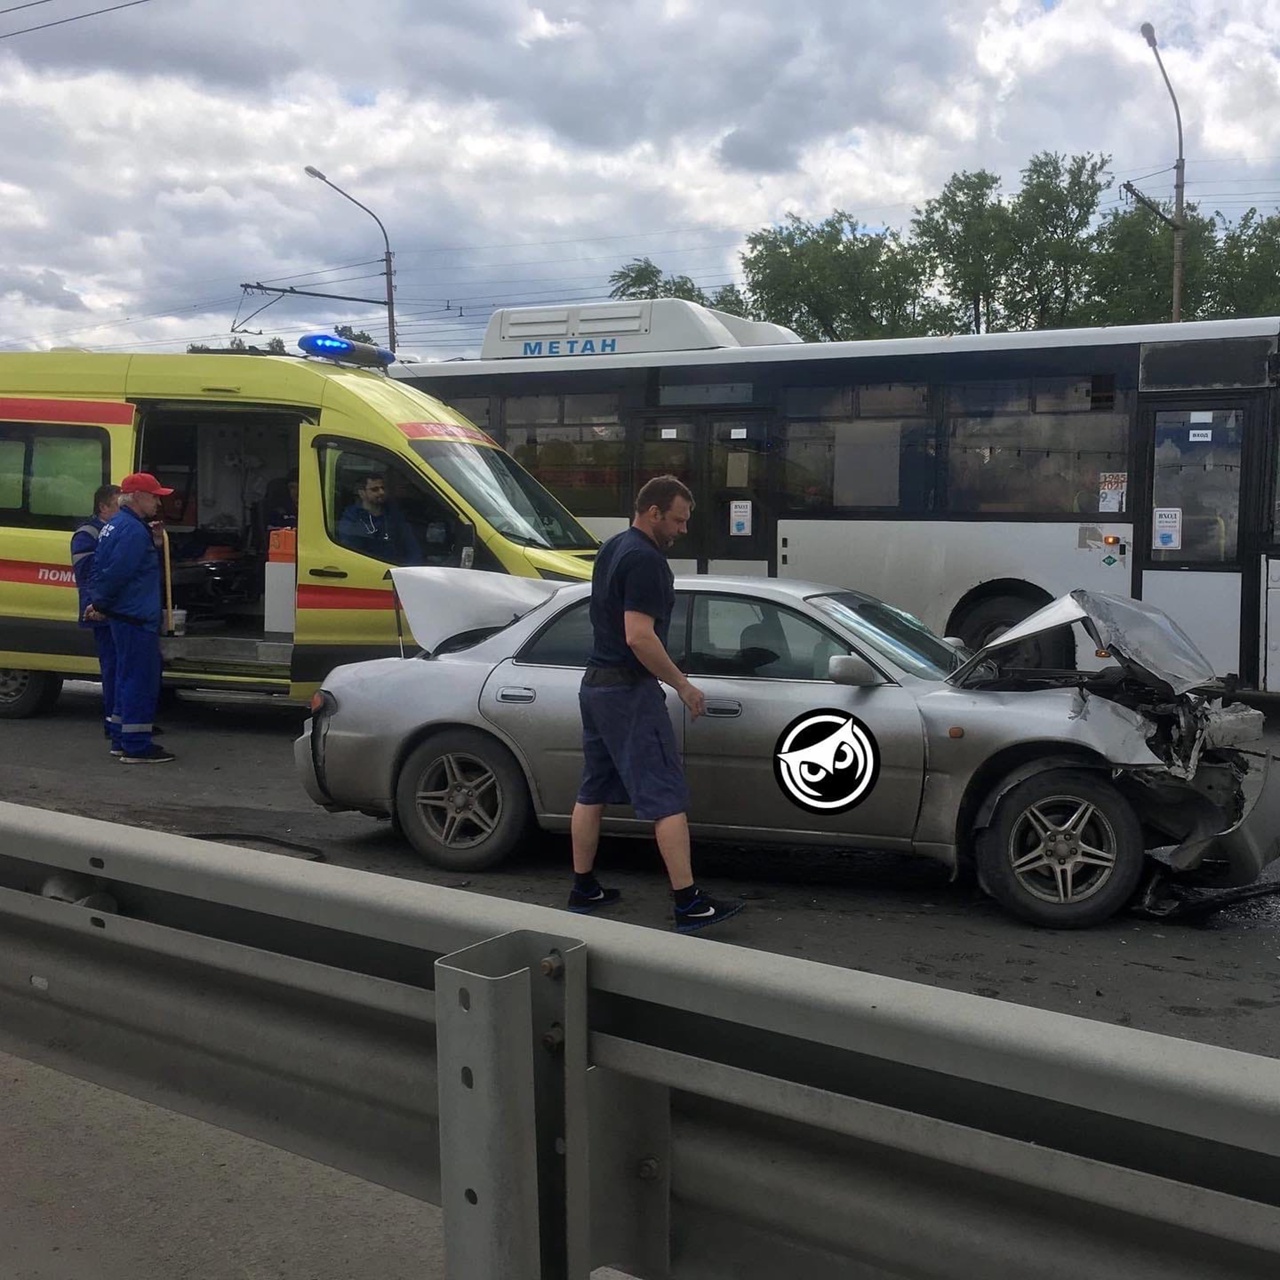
<point x="229" y="470"/>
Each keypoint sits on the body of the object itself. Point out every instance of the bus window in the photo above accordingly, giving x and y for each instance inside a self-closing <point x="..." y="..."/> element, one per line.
<point x="575" y="446"/>
<point x="1197" y="474"/>
<point x="1013" y="396"/>
<point x="867" y="462"/>
<point x="474" y="408"/>
<point x="1003" y="458"/>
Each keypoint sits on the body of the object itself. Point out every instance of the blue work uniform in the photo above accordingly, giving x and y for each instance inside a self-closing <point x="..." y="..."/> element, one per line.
<point x="628" y="745"/>
<point x="84" y="542"/>
<point x="125" y="586"/>
<point x="386" y="536"/>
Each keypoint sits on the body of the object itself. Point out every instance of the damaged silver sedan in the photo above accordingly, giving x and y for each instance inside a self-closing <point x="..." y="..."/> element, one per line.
<point x="832" y="719"/>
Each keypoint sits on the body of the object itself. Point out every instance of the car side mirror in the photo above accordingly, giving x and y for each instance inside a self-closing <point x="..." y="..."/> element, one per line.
<point x="848" y="669"/>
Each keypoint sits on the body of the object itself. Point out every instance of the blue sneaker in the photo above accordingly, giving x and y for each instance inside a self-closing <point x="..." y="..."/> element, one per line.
<point x="701" y="912"/>
<point x="583" y="902"/>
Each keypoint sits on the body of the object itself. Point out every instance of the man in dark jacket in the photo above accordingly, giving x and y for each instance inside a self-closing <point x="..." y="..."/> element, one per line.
<point x="628" y="743"/>
<point x="125" y="591"/>
<point x="84" y="542"/>
<point x="376" y="527"/>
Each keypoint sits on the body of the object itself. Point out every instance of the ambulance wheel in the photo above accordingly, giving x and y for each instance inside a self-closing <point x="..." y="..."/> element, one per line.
<point x="27" y="693"/>
<point x="462" y="800"/>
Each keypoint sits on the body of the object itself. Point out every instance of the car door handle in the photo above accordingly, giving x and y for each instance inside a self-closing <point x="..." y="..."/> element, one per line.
<point x="724" y="710"/>
<point x="327" y="573"/>
<point x="514" y="693"/>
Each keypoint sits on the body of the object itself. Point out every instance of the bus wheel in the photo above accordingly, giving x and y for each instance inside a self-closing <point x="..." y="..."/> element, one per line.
<point x="989" y="619"/>
<point x="27" y="693"/>
<point x="462" y="800"/>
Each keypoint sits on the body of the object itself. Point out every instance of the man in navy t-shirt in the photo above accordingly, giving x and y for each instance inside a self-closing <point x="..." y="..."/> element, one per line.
<point x="628" y="744"/>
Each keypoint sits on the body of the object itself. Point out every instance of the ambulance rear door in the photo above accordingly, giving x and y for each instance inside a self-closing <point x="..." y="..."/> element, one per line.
<point x="55" y="451"/>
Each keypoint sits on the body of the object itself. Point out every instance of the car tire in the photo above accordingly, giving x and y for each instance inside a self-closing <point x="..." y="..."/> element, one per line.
<point x="989" y="619"/>
<point x="1063" y="850"/>
<point x="27" y="693"/>
<point x="462" y="800"/>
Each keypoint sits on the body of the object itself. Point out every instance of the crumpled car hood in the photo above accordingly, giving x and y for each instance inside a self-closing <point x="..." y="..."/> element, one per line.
<point x="1147" y="642"/>
<point x="439" y="602"/>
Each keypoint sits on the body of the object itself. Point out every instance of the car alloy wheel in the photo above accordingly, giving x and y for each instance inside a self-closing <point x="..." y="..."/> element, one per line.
<point x="460" y="800"/>
<point x="1062" y="849"/>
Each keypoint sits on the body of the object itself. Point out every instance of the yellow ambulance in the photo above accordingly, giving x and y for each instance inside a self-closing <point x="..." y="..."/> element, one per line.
<point x="366" y="471"/>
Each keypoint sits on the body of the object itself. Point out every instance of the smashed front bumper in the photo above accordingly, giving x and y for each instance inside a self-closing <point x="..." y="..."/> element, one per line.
<point x="1217" y="856"/>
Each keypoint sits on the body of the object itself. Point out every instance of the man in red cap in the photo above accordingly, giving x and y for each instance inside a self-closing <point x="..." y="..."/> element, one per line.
<point x="125" y="590"/>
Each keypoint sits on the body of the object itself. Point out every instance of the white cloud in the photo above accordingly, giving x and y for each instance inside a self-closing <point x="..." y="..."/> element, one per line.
<point x="539" y="27"/>
<point x="153" y="158"/>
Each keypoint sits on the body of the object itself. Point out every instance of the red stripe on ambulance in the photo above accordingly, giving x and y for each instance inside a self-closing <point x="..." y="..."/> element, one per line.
<point x="344" y="598"/>
<point x="111" y="413"/>
<point x="444" y="431"/>
<point x="45" y="575"/>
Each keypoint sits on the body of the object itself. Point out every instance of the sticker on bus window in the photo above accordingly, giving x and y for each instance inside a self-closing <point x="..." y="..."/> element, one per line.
<point x="1113" y="486"/>
<point x="1200" y="435"/>
<point x="1201" y="415"/>
<point x="740" y="519"/>
<point x="1166" y="529"/>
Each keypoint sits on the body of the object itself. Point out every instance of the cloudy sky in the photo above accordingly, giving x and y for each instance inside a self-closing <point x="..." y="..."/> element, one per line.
<point x="151" y="159"/>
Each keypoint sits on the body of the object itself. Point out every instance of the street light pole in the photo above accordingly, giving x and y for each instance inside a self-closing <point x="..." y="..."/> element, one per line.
<point x="1179" y="172"/>
<point x="391" y="301"/>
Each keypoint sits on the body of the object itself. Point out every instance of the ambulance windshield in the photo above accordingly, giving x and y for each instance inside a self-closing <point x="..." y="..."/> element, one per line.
<point x="507" y="496"/>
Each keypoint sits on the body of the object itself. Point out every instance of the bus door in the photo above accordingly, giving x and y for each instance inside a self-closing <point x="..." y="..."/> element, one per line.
<point x="722" y="458"/>
<point x="1192" y="529"/>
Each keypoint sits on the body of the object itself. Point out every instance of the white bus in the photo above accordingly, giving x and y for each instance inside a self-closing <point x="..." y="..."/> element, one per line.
<point x="966" y="479"/>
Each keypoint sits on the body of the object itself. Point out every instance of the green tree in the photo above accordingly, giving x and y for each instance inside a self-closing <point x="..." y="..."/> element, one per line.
<point x="833" y="280"/>
<point x="965" y="233"/>
<point x="1046" y="284"/>
<point x="643" y="278"/>
<point x="1246" y="276"/>
<point x="731" y="299"/>
<point x="272" y="347"/>
<point x="200" y="348"/>
<point x="352" y="335"/>
<point x="1131" y="273"/>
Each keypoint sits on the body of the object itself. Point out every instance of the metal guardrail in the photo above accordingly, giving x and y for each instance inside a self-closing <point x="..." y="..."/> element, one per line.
<point x="578" y="1093"/>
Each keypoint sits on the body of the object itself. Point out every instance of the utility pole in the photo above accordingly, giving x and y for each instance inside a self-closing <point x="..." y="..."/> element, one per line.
<point x="312" y="171"/>
<point x="1179" y="226"/>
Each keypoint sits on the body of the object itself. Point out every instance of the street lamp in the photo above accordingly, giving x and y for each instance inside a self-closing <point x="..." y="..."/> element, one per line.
<point x="391" y="303"/>
<point x="1149" y="35"/>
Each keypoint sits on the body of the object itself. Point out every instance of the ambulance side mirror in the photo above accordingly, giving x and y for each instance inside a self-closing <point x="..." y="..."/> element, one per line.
<point x="467" y="543"/>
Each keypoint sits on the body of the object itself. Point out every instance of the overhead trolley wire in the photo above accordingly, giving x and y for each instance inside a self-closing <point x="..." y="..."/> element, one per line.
<point x="61" y="22"/>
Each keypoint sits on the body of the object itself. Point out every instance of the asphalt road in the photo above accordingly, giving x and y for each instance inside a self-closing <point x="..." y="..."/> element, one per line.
<point x="94" y="1186"/>
<point x="1214" y="978"/>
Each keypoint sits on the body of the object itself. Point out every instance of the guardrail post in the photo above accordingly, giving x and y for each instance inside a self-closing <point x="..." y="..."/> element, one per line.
<point x="511" y="1037"/>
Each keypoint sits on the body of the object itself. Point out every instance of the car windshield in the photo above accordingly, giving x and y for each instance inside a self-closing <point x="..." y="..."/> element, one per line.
<point x="507" y="496"/>
<point x="895" y="635"/>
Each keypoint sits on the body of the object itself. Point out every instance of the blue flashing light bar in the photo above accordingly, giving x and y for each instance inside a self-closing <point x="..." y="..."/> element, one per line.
<point x="328" y="347"/>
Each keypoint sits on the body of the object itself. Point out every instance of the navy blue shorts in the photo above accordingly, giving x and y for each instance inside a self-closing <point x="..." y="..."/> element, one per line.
<point x="629" y="750"/>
